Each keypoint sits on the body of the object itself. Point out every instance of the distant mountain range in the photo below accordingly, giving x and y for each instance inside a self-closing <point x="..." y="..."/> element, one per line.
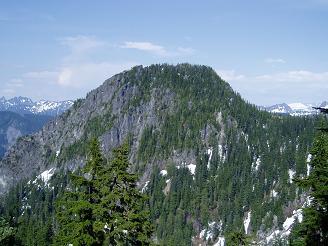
<point x="24" y="105"/>
<point x="295" y="109"/>
<point x="21" y="116"/>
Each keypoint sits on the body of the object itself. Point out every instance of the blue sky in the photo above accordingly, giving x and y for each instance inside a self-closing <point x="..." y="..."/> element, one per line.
<point x="270" y="51"/>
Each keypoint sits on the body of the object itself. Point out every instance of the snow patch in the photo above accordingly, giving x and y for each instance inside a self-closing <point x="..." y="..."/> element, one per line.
<point x="256" y="164"/>
<point x="57" y="153"/>
<point x="25" y="205"/>
<point x="299" y="215"/>
<point x="145" y="187"/>
<point x="202" y="233"/>
<point x="192" y="168"/>
<point x="298" y="106"/>
<point x="212" y="229"/>
<point x="287" y="226"/>
<point x="301" y="109"/>
<point x="274" y="193"/>
<point x="221" y="153"/>
<point x="44" y="106"/>
<point x="247" y="221"/>
<point x="308" y="167"/>
<point x="288" y="223"/>
<point x="308" y="201"/>
<point x="273" y="235"/>
<point x="280" y="110"/>
<point x="291" y="174"/>
<point x="220" y="242"/>
<point x="163" y="172"/>
<point x="44" y="176"/>
<point x="209" y="153"/>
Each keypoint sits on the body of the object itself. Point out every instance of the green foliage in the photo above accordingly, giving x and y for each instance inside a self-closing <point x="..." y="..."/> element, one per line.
<point x="194" y="111"/>
<point x="94" y="128"/>
<point x="238" y="238"/>
<point x="78" y="103"/>
<point x="29" y="209"/>
<point x="6" y="232"/>
<point x="203" y="105"/>
<point x="314" y="228"/>
<point x="103" y="205"/>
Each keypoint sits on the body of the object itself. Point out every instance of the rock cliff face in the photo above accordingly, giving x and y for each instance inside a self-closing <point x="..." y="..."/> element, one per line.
<point x="206" y="158"/>
<point x="104" y="113"/>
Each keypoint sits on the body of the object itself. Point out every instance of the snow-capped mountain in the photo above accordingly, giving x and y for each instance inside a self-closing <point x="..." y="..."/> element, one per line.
<point x="324" y="104"/>
<point x="279" y="108"/>
<point x="295" y="109"/>
<point x="24" y="105"/>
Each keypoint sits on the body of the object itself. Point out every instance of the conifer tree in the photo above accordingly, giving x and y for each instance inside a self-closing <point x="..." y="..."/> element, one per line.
<point x="238" y="238"/>
<point x="103" y="206"/>
<point x="314" y="228"/>
<point x="127" y="223"/>
<point x="7" y="233"/>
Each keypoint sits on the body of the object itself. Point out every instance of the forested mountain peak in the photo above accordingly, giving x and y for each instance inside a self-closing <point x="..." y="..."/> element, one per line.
<point x="210" y="162"/>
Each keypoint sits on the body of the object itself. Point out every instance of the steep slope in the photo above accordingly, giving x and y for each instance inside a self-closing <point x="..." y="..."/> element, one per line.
<point x="13" y="125"/>
<point x="210" y="162"/>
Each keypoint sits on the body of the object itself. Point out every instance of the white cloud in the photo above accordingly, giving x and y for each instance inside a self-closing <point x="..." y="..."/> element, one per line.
<point x="80" y="43"/>
<point x="289" y="76"/>
<point x="185" y="51"/>
<point x="295" y="76"/>
<point x="79" y="70"/>
<point x="230" y="75"/>
<point x="272" y="88"/>
<point x="275" y="60"/>
<point x="89" y="75"/>
<point x="43" y="75"/>
<point x="146" y="46"/>
<point x="65" y="77"/>
<point x="79" y="74"/>
<point x="157" y="49"/>
<point x="8" y="92"/>
<point x="15" y="83"/>
<point x="12" y="86"/>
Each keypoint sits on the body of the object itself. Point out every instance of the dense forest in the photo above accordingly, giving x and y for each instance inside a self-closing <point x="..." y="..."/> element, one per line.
<point x="212" y="165"/>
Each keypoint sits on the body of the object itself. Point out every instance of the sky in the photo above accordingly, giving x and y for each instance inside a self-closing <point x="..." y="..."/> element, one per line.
<point x="270" y="51"/>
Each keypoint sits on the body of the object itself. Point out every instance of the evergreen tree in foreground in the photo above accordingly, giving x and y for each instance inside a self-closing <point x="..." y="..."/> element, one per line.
<point x="314" y="228"/>
<point x="103" y="206"/>
<point x="238" y="238"/>
<point x="6" y="233"/>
